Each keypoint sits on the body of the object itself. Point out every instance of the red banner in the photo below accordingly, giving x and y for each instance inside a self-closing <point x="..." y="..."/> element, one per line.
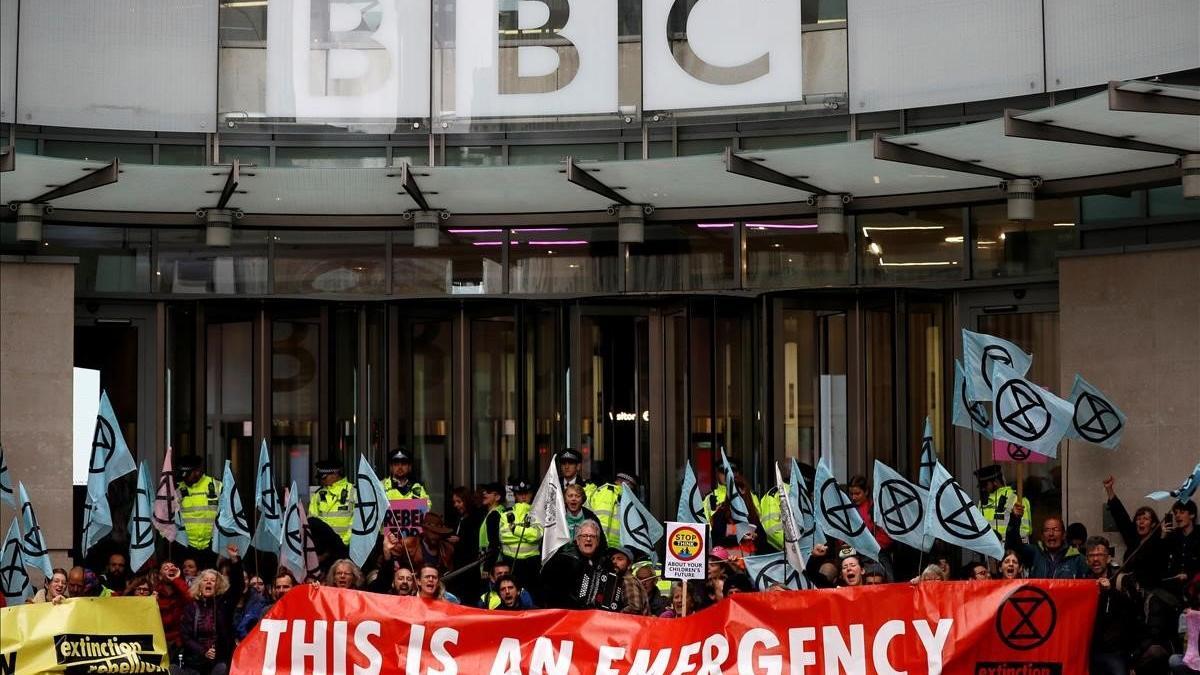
<point x="985" y="628"/>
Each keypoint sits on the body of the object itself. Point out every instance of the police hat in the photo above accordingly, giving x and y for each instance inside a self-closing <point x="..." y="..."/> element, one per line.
<point x="328" y="467"/>
<point x="522" y="487"/>
<point x="189" y="463"/>
<point x="570" y="455"/>
<point x="493" y="486"/>
<point x="989" y="472"/>
<point x="628" y="478"/>
<point x="400" y="455"/>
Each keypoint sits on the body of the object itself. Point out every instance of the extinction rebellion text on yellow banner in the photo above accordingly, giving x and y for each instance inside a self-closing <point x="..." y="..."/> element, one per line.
<point x="83" y="635"/>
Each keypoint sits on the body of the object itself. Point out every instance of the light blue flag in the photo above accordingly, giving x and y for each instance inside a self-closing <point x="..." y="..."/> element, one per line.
<point x="928" y="456"/>
<point x="1025" y="414"/>
<point x="952" y="516"/>
<point x="980" y="352"/>
<point x="15" y="583"/>
<point x="181" y="537"/>
<point x="968" y="414"/>
<point x="838" y="516"/>
<point x="6" y="489"/>
<point x="296" y="549"/>
<point x="370" y="505"/>
<point x="141" y="522"/>
<point x="110" y="459"/>
<point x="772" y="569"/>
<point x="801" y="498"/>
<point x="33" y="544"/>
<point x="1185" y="491"/>
<point x="233" y="523"/>
<point x="268" y="504"/>
<point x="1096" y="418"/>
<point x="691" y="504"/>
<point x="900" y="507"/>
<point x="791" y="530"/>
<point x="738" y="513"/>
<point x="639" y="528"/>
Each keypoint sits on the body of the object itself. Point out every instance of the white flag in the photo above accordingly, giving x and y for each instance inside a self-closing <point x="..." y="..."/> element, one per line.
<point x="980" y="352"/>
<point x="791" y="529"/>
<point x="549" y="511"/>
<point x="370" y="506"/>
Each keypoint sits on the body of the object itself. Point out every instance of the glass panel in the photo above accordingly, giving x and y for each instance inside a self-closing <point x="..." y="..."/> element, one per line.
<point x="613" y="400"/>
<point x="926" y="377"/>
<point x="1169" y="201"/>
<point x="331" y="157"/>
<point x="1036" y="333"/>
<point x="553" y="154"/>
<point x="734" y="402"/>
<point x="880" y="386"/>
<point x="474" y="155"/>
<point x="111" y="259"/>
<point x="413" y="154"/>
<point x="1095" y="208"/>
<point x="432" y="386"/>
<point x="543" y="377"/>
<point x="100" y="152"/>
<point x="186" y="265"/>
<point x="187" y="155"/>
<point x="823" y="11"/>
<point x="562" y="260"/>
<point x="658" y="149"/>
<point x="182" y="430"/>
<point x="703" y="442"/>
<point x="343" y="351"/>
<point x="924" y="244"/>
<point x="26" y="146"/>
<point x="703" y="146"/>
<point x="682" y="257"/>
<point x="793" y="253"/>
<point x="377" y="349"/>
<point x="1005" y="248"/>
<point x="866" y="134"/>
<point x="493" y="400"/>
<point x="329" y="262"/>
<point x="228" y="390"/>
<point x="295" y="397"/>
<point x="466" y="261"/>
<point x="258" y="156"/>
<point x="791" y="140"/>
<point x="812" y="390"/>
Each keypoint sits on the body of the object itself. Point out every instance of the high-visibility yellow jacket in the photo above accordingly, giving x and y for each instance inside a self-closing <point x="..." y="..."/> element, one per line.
<point x="198" y="506"/>
<point x="410" y="491"/>
<point x="335" y="506"/>
<point x="519" y="539"/>
<point x="603" y="502"/>
<point x="714" y="499"/>
<point x="997" y="508"/>
<point x="770" y="516"/>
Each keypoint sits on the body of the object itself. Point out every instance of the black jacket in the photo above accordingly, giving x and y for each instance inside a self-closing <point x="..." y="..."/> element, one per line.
<point x="1146" y="560"/>
<point x="568" y="578"/>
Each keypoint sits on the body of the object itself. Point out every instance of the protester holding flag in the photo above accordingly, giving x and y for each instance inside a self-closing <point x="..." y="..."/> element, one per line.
<point x="860" y="494"/>
<point x="1145" y="547"/>
<point x="199" y="501"/>
<point x="1000" y="500"/>
<point x="431" y="547"/>
<point x="720" y="491"/>
<point x="207" y="623"/>
<point x="728" y="528"/>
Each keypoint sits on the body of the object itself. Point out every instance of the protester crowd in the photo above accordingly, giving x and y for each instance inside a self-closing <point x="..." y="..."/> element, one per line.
<point x="486" y="552"/>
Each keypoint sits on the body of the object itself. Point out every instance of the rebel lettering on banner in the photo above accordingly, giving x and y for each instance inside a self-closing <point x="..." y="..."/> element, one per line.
<point x="405" y="517"/>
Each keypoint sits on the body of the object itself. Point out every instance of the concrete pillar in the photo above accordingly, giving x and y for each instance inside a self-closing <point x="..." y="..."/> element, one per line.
<point x="37" y="352"/>
<point x="1130" y="324"/>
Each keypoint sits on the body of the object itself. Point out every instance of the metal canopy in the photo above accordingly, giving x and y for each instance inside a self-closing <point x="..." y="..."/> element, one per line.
<point x="1083" y="145"/>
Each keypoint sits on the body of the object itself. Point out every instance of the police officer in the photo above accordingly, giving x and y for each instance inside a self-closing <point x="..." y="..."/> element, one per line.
<point x="1000" y="500"/>
<point x="568" y="471"/>
<point x="333" y="502"/>
<point x="199" y="501"/>
<point x="400" y="483"/>
<point x="714" y="499"/>
<point x="491" y="495"/>
<point x="520" y="539"/>
<point x="770" y="515"/>
<point x="604" y="502"/>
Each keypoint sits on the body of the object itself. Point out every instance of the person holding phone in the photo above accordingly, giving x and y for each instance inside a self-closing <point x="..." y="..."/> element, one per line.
<point x="1183" y="545"/>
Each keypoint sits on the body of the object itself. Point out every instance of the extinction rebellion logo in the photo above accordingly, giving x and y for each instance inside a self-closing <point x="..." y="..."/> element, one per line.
<point x="1025" y="620"/>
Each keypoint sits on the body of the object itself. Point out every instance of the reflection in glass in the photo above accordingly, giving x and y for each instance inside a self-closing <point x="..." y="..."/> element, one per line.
<point x="1095" y="208"/>
<point x="229" y="404"/>
<point x="474" y="155"/>
<point x="343" y="350"/>
<point x="811" y="393"/>
<point x="561" y="260"/>
<point x="295" y="397"/>
<point x="128" y="153"/>
<point x="111" y="259"/>
<point x="923" y="244"/>
<point x="795" y="254"/>
<point x="331" y="157"/>
<point x="926" y="377"/>
<point x="1169" y="201"/>
<point x="613" y="400"/>
<point x="880" y="386"/>
<point x="186" y="265"/>
<point x="329" y="262"/>
<point x="553" y="154"/>
<point x="431" y="413"/>
<point x="466" y="261"/>
<point x="494" y="437"/>
<point x="181" y="432"/>
<point x="682" y="257"/>
<point x="1005" y="248"/>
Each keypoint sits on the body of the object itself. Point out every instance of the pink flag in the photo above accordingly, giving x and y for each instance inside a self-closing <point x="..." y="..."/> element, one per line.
<point x="1192" y="658"/>
<point x="166" y="501"/>
<point x="1007" y="451"/>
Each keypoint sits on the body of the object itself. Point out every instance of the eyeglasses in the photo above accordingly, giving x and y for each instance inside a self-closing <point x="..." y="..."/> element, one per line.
<point x="586" y="536"/>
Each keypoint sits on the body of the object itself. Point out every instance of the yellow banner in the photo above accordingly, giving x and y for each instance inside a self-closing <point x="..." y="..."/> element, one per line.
<point x="83" y="635"/>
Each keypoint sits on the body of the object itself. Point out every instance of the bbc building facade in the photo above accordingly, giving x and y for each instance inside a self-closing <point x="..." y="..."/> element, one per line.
<point x="646" y="230"/>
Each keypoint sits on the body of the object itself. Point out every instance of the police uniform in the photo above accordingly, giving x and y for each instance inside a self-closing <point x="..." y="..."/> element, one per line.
<point x="333" y="504"/>
<point x="489" y="543"/>
<point x="410" y="489"/>
<point x="999" y="503"/>
<point x="521" y="540"/>
<point x="714" y="499"/>
<point x="570" y="456"/>
<point x="199" y="503"/>
<point x="770" y="515"/>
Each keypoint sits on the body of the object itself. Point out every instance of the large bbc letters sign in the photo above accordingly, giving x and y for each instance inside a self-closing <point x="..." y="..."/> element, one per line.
<point x="369" y="59"/>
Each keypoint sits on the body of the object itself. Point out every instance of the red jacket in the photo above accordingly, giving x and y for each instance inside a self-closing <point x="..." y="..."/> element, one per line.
<point x="864" y="510"/>
<point x="171" y="607"/>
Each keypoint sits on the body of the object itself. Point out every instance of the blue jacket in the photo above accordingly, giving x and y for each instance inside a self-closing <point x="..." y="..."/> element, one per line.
<point x="1065" y="563"/>
<point x="256" y="607"/>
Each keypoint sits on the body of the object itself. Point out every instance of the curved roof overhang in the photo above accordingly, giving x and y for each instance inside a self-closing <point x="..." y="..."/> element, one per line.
<point x="1125" y="138"/>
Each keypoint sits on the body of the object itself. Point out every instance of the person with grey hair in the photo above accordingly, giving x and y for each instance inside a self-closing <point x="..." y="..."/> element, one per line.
<point x="575" y="569"/>
<point x="344" y="574"/>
